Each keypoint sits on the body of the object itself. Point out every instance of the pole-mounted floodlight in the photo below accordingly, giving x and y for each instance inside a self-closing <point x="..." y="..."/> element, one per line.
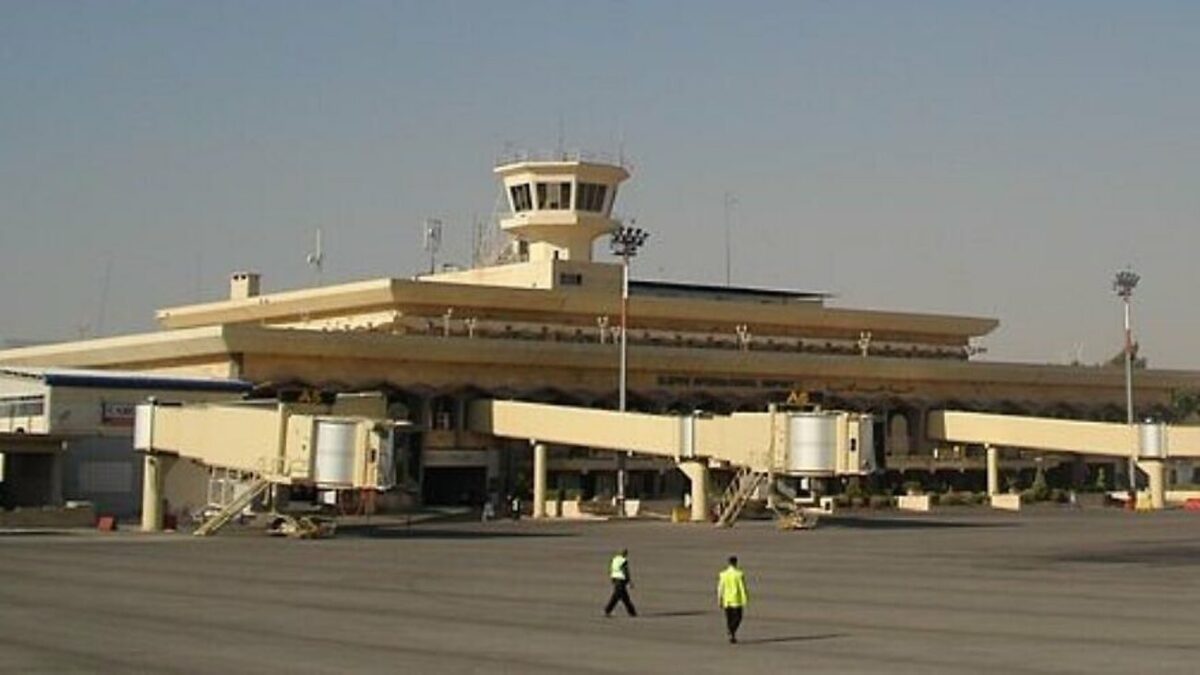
<point x="1123" y="285"/>
<point x="626" y="240"/>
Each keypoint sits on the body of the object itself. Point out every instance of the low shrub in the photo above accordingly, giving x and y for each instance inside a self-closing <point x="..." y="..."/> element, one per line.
<point x="954" y="499"/>
<point x="880" y="502"/>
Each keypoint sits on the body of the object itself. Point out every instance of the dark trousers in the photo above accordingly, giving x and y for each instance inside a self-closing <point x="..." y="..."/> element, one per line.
<point x="620" y="593"/>
<point x="733" y="619"/>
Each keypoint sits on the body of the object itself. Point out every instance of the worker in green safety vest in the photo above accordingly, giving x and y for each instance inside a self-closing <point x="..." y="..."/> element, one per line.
<point x="732" y="596"/>
<point x="618" y="574"/>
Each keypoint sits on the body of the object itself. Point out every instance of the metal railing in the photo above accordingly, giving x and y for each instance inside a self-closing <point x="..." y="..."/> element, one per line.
<point x="515" y="155"/>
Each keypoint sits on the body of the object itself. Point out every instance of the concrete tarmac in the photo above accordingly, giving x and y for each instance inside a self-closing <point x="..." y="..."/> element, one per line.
<point x="967" y="590"/>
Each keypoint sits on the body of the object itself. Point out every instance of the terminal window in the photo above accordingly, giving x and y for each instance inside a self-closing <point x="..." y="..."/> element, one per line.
<point x="591" y="197"/>
<point x="22" y="406"/>
<point x="521" y="199"/>
<point x="554" y="196"/>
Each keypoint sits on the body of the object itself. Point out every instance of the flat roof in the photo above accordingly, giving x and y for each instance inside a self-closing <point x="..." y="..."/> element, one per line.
<point x="124" y="379"/>
<point x="715" y="292"/>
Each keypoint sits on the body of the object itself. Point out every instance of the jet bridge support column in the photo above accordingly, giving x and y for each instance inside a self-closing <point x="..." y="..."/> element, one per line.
<point x="1152" y="453"/>
<point x="1156" y="474"/>
<point x="993" y="470"/>
<point x="152" y="487"/>
<point x="697" y="473"/>
<point x="539" y="480"/>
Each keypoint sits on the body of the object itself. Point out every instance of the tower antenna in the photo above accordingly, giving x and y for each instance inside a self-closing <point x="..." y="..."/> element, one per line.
<point x="317" y="257"/>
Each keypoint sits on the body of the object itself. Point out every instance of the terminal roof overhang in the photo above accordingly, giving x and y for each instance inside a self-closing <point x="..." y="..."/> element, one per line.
<point x="119" y="379"/>
<point x="572" y="307"/>
<point x="211" y="343"/>
<point x="21" y="443"/>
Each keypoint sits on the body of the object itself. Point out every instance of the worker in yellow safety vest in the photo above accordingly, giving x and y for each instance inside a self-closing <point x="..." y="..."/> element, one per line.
<point x="618" y="574"/>
<point x="732" y="596"/>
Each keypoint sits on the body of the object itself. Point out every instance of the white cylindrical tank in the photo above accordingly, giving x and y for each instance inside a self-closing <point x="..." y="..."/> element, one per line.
<point x="812" y="444"/>
<point x="335" y="452"/>
<point x="1153" y="440"/>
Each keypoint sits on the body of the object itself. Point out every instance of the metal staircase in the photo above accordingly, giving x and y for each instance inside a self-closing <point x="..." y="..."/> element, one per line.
<point x="741" y="489"/>
<point x="230" y="511"/>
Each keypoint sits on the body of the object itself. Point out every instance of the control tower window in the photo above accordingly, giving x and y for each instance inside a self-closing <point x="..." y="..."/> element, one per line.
<point x="591" y="197"/>
<point x="521" y="199"/>
<point x="554" y="196"/>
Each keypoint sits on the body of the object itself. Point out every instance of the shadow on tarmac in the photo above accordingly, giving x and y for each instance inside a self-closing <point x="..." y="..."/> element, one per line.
<point x="403" y="532"/>
<point x="793" y="638"/>
<point x="668" y="615"/>
<point x="857" y="523"/>
<point x="1182" y="555"/>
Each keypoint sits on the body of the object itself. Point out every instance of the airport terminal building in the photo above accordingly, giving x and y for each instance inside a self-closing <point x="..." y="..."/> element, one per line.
<point x="545" y="325"/>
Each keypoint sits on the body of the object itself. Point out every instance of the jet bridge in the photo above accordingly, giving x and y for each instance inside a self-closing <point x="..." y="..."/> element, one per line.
<point x="273" y="443"/>
<point x="1149" y="444"/>
<point x="773" y="443"/>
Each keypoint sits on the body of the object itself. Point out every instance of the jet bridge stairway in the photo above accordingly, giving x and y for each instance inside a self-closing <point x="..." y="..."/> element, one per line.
<point x="231" y="510"/>
<point x="742" y="488"/>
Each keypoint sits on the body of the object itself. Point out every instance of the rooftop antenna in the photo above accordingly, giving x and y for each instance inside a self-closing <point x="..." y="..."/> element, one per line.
<point x="476" y="240"/>
<point x="198" y="275"/>
<point x="730" y="201"/>
<point x="562" y="153"/>
<point x="433" y="241"/>
<point x="317" y="257"/>
<point x="105" y="284"/>
<point x="621" y="145"/>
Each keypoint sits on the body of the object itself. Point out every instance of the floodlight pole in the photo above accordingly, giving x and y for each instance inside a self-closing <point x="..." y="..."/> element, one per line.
<point x="1124" y="283"/>
<point x="625" y="243"/>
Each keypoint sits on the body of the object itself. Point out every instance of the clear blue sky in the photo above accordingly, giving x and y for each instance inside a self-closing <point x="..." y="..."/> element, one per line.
<point x="987" y="158"/>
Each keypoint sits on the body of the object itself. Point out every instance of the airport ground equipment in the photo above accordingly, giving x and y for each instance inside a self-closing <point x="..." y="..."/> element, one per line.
<point x="762" y="447"/>
<point x="267" y="444"/>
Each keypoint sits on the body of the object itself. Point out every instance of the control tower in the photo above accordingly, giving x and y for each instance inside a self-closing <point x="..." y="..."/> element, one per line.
<point x="560" y="207"/>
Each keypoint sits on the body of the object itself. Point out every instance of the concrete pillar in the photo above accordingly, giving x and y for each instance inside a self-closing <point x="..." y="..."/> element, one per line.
<point x="152" y="483"/>
<point x="1156" y="474"/>
<point x="993" y="470"/>
<point x="427" y="411"/>
<point x="460" y="413"/>
<point x="539" y="480"/>
<point x="697" y="473"/>
<point x="921" y="445"/>
<point x="56" y="479"/>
